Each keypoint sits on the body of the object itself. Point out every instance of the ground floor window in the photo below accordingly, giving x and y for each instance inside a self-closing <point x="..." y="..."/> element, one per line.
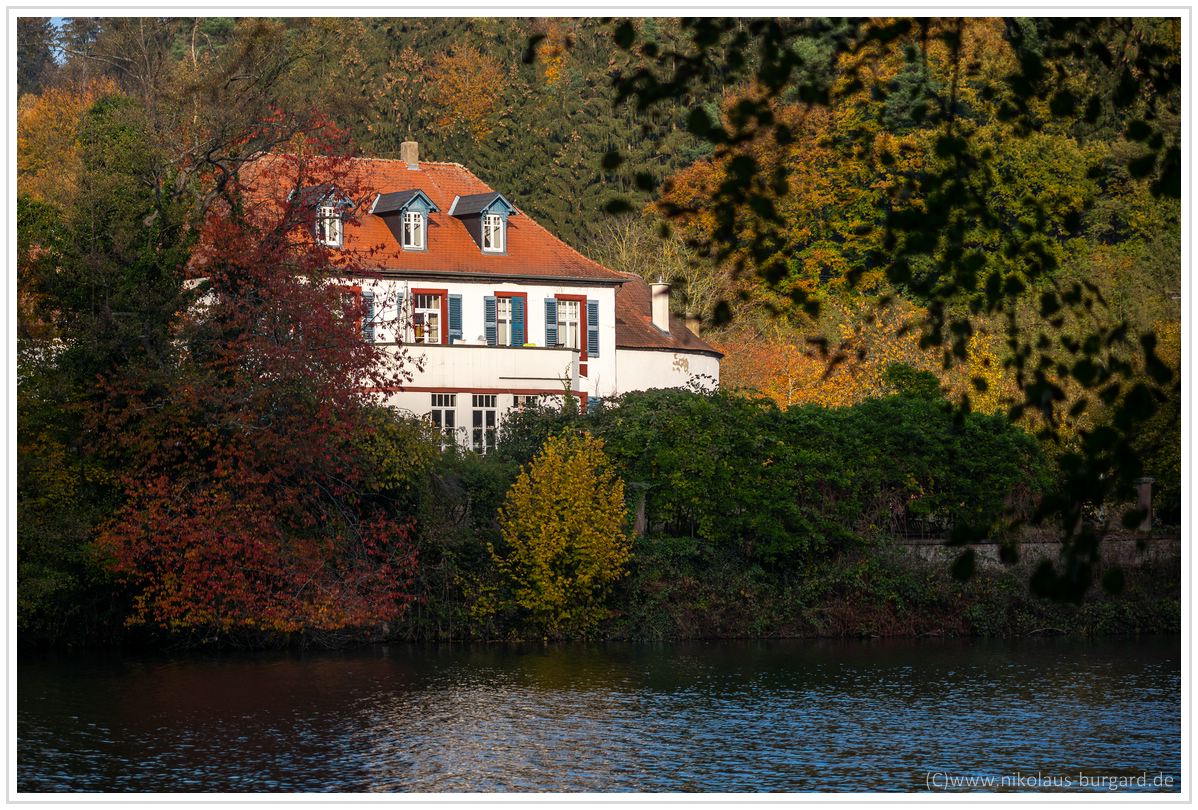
<point x="483" y="424"/>
<point x="444" y="416"/>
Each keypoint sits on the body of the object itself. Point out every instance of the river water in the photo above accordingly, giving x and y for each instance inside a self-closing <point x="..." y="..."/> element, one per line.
<point x="722" y="716"/>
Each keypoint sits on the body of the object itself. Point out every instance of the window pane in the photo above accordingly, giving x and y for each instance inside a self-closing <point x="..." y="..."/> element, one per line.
<point x="427" y="318"/>
<point x="504" y="321"/>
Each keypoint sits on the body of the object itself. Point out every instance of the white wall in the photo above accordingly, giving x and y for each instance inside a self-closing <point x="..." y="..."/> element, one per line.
<point x="486" y="368"/>
<point x="601" y="371"/>
<point x="642" y="369"/>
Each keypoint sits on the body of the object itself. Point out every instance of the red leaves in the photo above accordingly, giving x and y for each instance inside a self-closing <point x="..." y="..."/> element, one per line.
<point x="245" y="505"/>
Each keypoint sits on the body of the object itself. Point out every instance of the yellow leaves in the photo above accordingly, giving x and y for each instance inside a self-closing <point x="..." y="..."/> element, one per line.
<point x="468" y="87"/>
<point x="48" y="163"/>
<point x="551" y="53"/>
<point x="782" y="364"/>
<point x="1168" y="343"/>
<point x="983" y="364"/>
<point x="565" y="542"/>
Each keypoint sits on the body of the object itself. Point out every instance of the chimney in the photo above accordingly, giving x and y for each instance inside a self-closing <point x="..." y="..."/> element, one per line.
<point x="409" y="152"/>
<point x="694" y="323"/>
<point x="661" y="306"/>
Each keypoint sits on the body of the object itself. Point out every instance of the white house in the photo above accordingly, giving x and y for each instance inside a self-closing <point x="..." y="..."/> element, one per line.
<point x="500" y="309"/>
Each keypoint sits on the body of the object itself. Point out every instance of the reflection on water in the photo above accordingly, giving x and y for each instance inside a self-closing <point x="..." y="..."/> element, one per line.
<point x="719" y="716"/>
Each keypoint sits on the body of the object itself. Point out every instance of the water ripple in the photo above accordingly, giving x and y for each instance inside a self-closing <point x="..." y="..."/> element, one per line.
<point x="732" y="716"/>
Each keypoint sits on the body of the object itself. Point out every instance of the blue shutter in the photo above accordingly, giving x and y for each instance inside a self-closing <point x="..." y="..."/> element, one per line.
<point x="455" y="318"/>
<point x="489" y="319"/>
<point x="368" y="316"/>
<point x="550" y="322"/>
<point x="517" y="321"/>
<point x="400" y="323"/>
<point x="592" y="328"/>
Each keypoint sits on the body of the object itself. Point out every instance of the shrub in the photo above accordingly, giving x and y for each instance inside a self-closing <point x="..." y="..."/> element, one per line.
<point x="565" y="540"/>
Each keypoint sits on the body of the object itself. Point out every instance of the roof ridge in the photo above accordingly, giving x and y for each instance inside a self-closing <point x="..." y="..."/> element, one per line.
<point x="419" y="162"/>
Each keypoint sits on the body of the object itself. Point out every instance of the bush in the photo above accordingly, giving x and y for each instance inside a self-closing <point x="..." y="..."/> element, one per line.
<point x="565" y="540"/>
<point x="787" y="487"/>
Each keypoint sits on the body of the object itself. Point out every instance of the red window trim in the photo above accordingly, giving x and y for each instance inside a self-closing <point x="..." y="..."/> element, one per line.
<point x="524" y="295"/>
<point x="582" y="325"/>
<point x="444" y="309"/>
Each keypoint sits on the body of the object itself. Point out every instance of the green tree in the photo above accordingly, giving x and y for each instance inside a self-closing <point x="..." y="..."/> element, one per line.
<point x="977" y="228"/>
<point x="565" y="538"/>
<point x="35" y="54"/>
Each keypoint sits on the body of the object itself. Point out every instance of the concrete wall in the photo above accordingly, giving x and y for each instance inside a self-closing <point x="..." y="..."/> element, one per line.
<point x="643" y="369"/>
<point x="490" y="368"/>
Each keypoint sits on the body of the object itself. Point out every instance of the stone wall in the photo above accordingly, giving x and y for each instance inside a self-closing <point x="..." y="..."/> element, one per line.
<point x="1126" y="549"/>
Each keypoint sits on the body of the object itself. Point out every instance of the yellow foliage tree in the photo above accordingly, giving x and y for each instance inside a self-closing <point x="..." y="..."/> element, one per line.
<point x="783" y="364"/>
<point x="457" y="80"/>
<point x="564" y="531"/>
<point x="48" y="163"/>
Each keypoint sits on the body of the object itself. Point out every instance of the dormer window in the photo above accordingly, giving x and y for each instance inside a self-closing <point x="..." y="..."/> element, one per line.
<point x="407" y="216"/>
<point x="493" y="235"/>
<point x="328" y="226"/>
<point x="485" y="216"/>
<point x="413" y="230"/>
<point x="329" y="205"/>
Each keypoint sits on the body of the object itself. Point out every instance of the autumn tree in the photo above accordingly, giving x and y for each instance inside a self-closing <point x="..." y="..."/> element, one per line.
<point x="114" y="358"/>
<point x="977" y="144"/>
<point x="248" y="491"/>
<point x="457" y="79"/>
<point x="565" y="538"/>
<point x="48" y="160"/>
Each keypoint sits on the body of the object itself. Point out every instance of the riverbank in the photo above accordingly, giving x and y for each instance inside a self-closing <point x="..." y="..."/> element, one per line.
<point x="889" y="593"/>
<point x="679" y="590"/>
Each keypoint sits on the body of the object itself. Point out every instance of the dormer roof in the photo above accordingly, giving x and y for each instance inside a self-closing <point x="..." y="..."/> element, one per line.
<point x="485" y="203"/>
<point x="394" y="202"/>
<point x="322" y="194"/>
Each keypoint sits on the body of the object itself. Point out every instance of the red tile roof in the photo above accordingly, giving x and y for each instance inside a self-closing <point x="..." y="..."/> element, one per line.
<point x="531" y="250"/>
<point x="634" y="323"/>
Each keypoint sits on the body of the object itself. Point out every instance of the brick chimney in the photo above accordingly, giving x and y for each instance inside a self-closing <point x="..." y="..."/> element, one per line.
<point x="661" y="306"/>
<point x="409" y="153"/>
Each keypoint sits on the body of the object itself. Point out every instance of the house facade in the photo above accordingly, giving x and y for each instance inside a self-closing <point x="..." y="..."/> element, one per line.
<point x="500" y="312"/>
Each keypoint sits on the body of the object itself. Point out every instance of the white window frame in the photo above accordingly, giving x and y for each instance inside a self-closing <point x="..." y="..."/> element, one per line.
<point x="494" y="233"/>
<point x="328" y="226"/>
<point x="424" y="312"/>
<point x="443" y="415"/>
<point x="569" y="331"/>
<point x="483" y="422"/>
<point x="503" y="321"/>
<point x="414" y="225"/>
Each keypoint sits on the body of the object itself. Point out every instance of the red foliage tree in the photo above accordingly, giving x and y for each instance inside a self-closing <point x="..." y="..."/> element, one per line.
<point x="246" y="499"/>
